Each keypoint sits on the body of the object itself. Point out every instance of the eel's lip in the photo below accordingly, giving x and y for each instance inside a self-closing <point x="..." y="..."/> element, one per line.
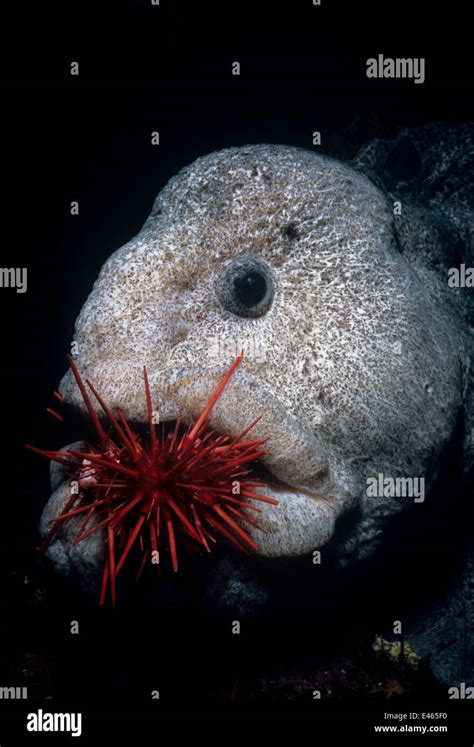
<point x="302" y="521"/>
<point x="259" y="469"/>
<point x="278" y="485"/>
<point x="79" y="430"/>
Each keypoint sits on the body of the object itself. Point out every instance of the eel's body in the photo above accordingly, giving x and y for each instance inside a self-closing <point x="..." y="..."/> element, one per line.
<point x="358" y="351"/>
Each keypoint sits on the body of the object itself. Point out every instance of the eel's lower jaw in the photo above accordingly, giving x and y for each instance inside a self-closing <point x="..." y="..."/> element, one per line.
<point x="301" y="522"/>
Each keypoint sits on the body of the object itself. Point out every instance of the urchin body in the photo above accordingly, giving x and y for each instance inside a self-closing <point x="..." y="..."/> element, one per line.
<point x="358" y="367"/>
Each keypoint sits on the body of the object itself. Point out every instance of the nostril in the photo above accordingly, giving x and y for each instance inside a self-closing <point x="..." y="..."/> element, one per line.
<point x="179" y="333"/>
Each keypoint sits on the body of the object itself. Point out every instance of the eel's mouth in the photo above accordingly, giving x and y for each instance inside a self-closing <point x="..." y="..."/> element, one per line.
<point x="277" y="485"/>
<point x="299" y="519"/>
<point x="299" y="506"/>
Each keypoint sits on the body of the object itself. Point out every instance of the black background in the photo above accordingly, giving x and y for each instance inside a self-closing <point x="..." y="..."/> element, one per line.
<point x="166" y="68"/>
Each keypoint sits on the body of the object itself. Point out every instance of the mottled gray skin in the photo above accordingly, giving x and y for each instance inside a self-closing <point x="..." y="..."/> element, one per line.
<point x="363" y="362"/>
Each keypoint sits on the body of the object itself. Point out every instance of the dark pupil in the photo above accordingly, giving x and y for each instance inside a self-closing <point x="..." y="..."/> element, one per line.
<point x="250" y="288"/>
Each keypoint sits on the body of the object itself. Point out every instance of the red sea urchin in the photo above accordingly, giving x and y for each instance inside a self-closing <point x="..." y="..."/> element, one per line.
<point x="184" y="482"/>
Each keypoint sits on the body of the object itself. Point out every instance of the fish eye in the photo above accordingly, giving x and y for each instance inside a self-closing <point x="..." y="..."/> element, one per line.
<point x="246" y="287"/>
